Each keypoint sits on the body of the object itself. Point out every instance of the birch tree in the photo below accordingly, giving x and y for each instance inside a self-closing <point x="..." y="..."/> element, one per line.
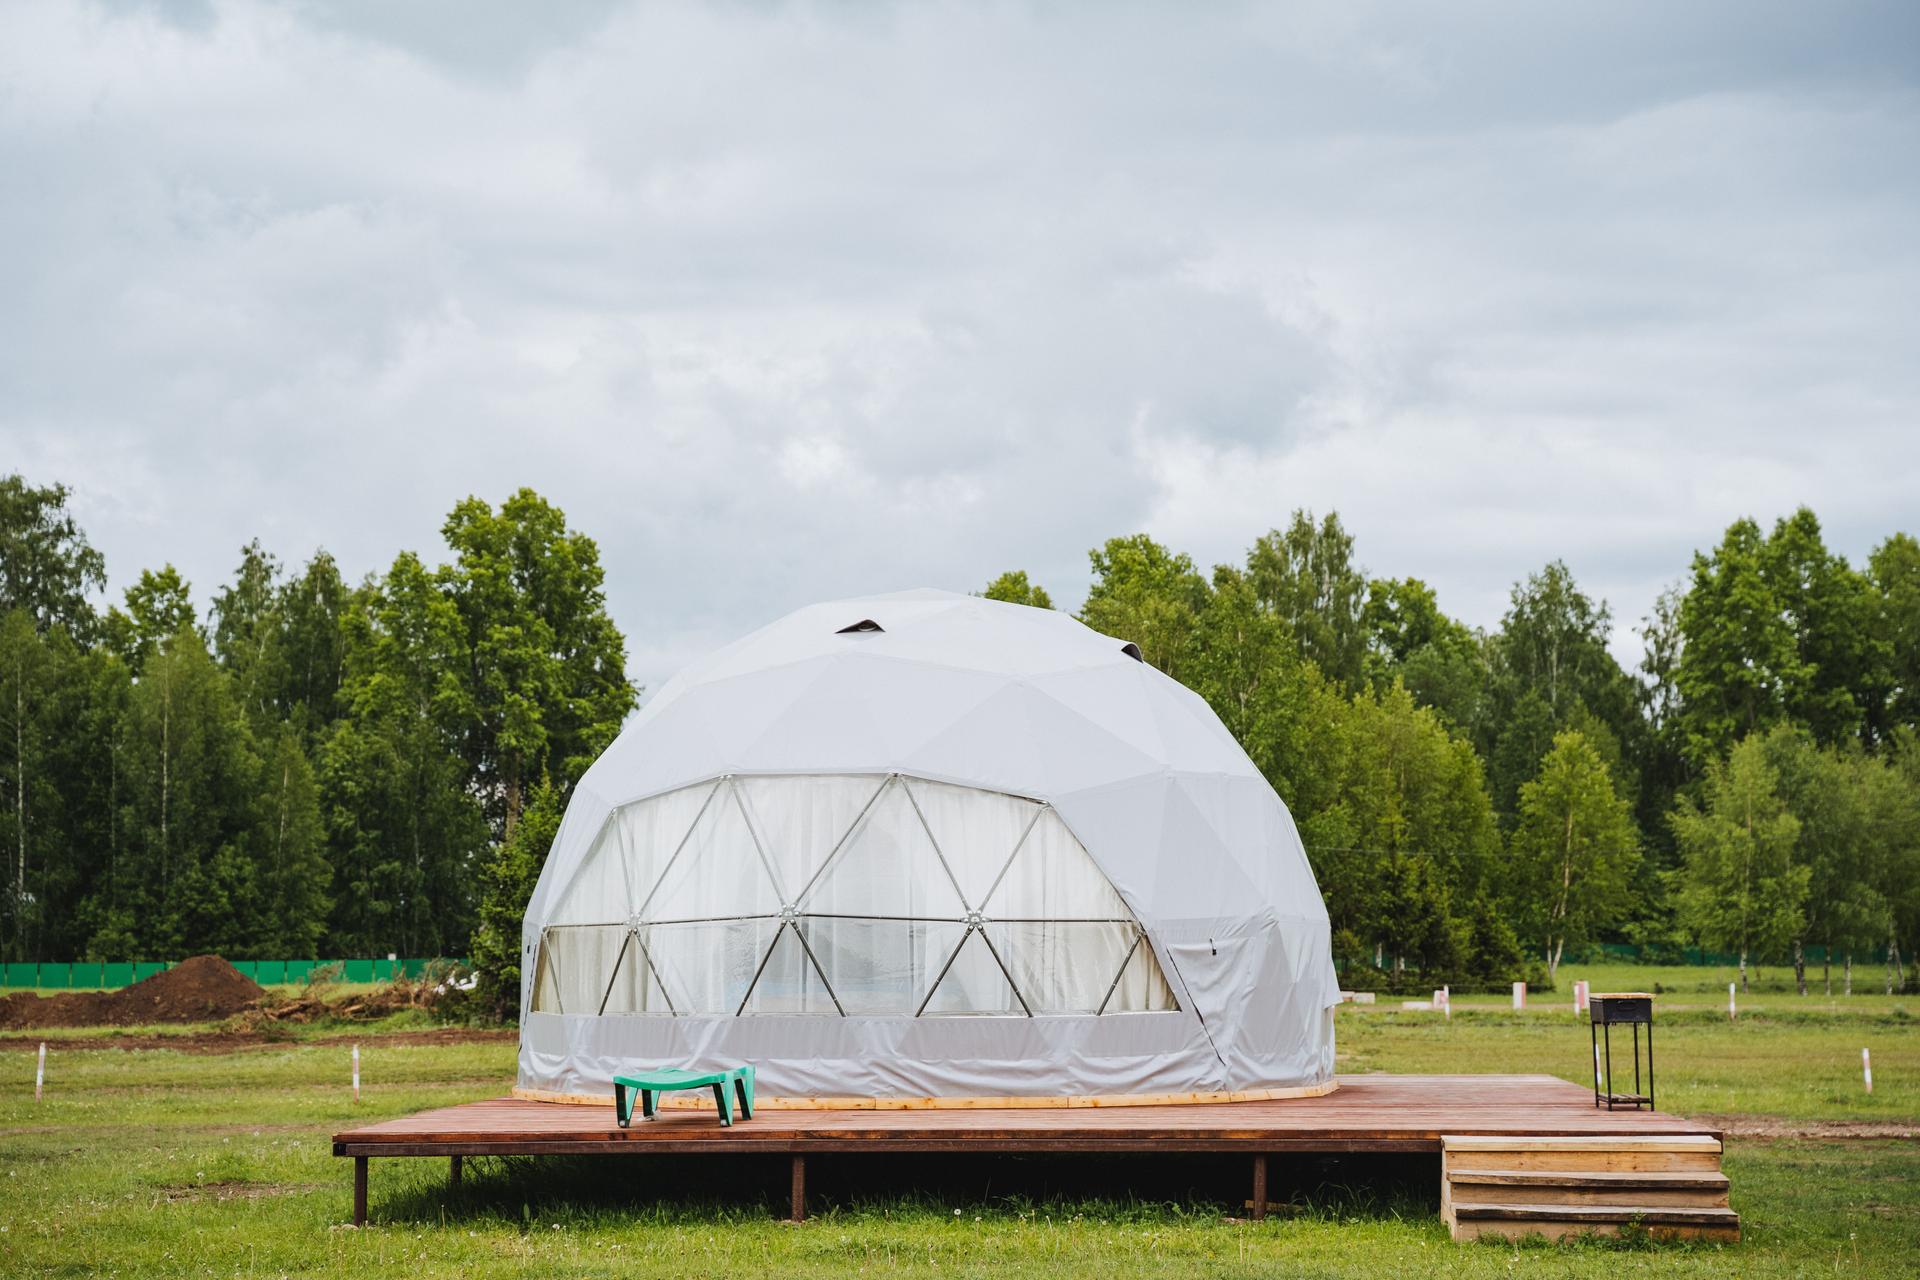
<point x="1575" y="846"/>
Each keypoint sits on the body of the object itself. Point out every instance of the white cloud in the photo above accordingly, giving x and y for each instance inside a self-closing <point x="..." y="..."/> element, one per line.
<point x="785" y="301"/>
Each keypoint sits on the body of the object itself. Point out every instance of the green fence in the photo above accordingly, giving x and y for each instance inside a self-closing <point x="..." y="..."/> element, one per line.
<point x="88" y="975"/>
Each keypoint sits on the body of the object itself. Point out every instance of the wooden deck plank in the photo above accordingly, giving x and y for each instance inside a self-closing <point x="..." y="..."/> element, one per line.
<point x="1367" y="1112"/>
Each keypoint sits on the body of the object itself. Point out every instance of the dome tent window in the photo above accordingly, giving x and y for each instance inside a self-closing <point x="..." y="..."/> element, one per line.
<point x="883" y="896"/>
<point x="975" y="852"/>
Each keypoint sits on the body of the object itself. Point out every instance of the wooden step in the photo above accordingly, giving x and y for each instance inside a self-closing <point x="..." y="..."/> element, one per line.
<point x="1666" y="1153"/>
<point x="1471" y="1219"/>
<point x="1695" y="1188"/>
<point x="1670" y="1184"/>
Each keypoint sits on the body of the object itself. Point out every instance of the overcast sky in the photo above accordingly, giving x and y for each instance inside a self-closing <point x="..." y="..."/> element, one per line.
<point x="787" y="302"/>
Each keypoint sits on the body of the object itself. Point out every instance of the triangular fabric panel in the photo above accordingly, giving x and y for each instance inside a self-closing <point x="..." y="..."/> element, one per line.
<point x="648" y="833"/>
<point x="636" y="987"/>
<point x="1062" y="968"/>
<point x="974" y="984"/>
<point x="546" y="982"/>
<point x="599" y="893"/>
<point x="789" y="983"/>
<point x="800" y="820"/>
<point x="1142" y="987"/>
<point x="888" y="868"/>
<point x="1052" y="878"/>
<point x="719" y="873"/>
<point x="575" y="963"/>
<point x="977" y="831"/>
<point x="707" y="968"/>
<point x="880" y="967"/>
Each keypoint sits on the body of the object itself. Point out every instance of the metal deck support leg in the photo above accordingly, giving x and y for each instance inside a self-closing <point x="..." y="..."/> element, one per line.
<point x="799" y="1188"/>
<point x="453" y="1173"/>
<point x="1260" y="1188"/>
<point x="359" y="1191"/>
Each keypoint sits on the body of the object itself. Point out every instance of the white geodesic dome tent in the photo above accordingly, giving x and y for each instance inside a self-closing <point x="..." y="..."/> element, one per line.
<point x="928" y="846"/>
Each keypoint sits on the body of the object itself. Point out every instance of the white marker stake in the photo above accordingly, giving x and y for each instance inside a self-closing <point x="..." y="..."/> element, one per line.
<point x="1730" y="1009"/>
<point x="1866" y="1069"/>
<point x="1446" y="1000"/>
<point x="356" y="1073"/>
<point x="1596" y="1068"/>
<point x="40" y="1073"/>
<point x="1519" y="995"/>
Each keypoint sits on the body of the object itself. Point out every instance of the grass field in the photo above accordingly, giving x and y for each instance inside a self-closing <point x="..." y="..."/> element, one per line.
<point x="169" y="1162"/>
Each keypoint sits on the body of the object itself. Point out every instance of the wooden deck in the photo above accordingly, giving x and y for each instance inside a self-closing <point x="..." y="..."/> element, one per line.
<point x="1367" y="1113"/>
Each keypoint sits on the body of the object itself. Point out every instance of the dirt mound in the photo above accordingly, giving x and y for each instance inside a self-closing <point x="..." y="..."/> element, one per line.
<point x="200" y="989"/>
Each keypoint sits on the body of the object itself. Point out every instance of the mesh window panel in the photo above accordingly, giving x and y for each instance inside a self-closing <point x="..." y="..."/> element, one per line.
<point x="842" y="893"/>
<point x="976" y="830"/>
<point x="790" y="983"/>
<point x="707" y="968"/>
<point x="719" y="873"/>
<point x="1062" y="967"/>
<point x="1052" y="878"/>
<point x="576" y="963"/>
<point x="974" y="985"/>
<point x="647" y="834"/>
<point x="888" y="867"/>
<point x="1143" y="988"/>
<point x="881" y="966"/>
<point x="800" y="821"/>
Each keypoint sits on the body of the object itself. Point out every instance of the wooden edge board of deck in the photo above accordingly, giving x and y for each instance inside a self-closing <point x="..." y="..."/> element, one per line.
<point x="1489" y="1142"/>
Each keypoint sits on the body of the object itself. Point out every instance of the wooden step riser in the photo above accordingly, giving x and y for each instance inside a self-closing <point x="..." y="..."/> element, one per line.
<point x="1652" y="1198"/>
<point x="1473" y="1230"/>
<point x="1587" y="1161"/>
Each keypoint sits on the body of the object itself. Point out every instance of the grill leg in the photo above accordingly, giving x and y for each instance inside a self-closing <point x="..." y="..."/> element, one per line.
<point x="799" y="1207"/>
<point x="359" y="1191"/>
<point x="1260" y="1188"/>
<point x="453" y="1173"/>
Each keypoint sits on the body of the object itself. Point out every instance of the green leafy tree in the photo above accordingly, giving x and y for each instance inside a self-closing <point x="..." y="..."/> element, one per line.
<point x="1148" y="595"/>
<point x="1442" y="662"/>
<point x="1013" y="588"/>
<point x="47" y="567"/>
<point x="293" y="877"/>
<point x="1243" y="660"/>
<point x="1779" y="629"/>
<point x="1856" y="816"/>
<point x="1552" y="671"/>
<point x="543" y="685"/>
<point x="192" y="782"/>
<point x="405" y="829"/>
<point x="1575" y="848"/>
<point x="245" y="623"/>
<point x="1306" y="575"/>
<point x="1738" y="887"/>
<point x="283" y="641"/>
<point x="506" y="886"/>
<point x="159" y="607"/>
<point x="1895" y="571"/>
<point x="33" y="666"/>
<point x="1832" y="611"/>
<point x="1398" y="789"/>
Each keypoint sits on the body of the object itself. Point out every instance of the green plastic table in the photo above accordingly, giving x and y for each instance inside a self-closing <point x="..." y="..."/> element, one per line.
<point x="650" y="1086"/>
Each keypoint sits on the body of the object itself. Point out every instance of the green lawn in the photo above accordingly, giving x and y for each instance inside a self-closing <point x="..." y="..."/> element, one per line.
<point x="164" y="1162"/>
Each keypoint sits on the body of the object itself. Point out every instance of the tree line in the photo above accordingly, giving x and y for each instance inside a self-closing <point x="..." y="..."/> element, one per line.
<point x="1476" y="803"/>
<point x="316" y="767"/>
<point x="325" y="767"/>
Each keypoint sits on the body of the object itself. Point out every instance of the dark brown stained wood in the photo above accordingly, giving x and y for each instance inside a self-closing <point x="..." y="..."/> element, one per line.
<point x="1650" y="1215"/>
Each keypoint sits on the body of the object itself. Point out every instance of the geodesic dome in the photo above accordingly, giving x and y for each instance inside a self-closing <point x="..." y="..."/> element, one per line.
<point x="928" y="846"/>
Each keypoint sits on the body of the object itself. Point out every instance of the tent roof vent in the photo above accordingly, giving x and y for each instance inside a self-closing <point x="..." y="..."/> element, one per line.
<point x="1132" y="650"/>
<point x="860" y="628"/>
